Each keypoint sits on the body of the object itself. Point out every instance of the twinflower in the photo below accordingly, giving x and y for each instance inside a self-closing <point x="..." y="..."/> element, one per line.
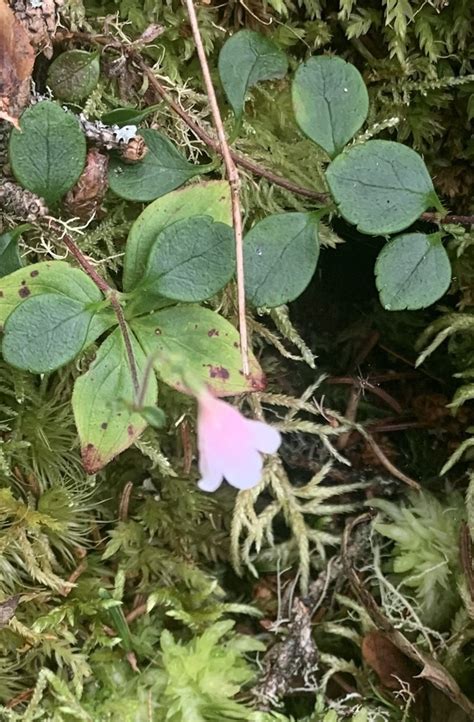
<point x="231" y="446"/>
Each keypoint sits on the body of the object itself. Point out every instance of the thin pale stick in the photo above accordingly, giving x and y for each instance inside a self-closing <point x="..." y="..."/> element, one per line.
<point x="233" y="178"/>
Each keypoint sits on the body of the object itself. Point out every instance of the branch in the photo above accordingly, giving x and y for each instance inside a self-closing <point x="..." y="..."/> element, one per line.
<point x="233" y="178"/>
<point x="162" y="92"/>
<point x="438" y="218"/>
<point x="391" y="468"/>
<point x="83" y="262"/>
<point x="240" y="160"/>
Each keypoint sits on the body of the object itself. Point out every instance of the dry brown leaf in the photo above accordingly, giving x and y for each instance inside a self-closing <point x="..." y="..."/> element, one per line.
<point x="17" y="57"/>
<point x="435" y="673"/>
<point x="86" y="197"/>
<point x="431" y="670"/>
<point x="134" y="151"/>
<point x="390" y="664"/>
<point x="149" y="35"/>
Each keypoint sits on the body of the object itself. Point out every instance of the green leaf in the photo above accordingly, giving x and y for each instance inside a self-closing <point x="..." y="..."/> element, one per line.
<point x="412" y="271"/>
<point x="105" y="426"/>
<point x="190" y="260"/>
<point x="48" y="155"/>
<point x="162" y="170"/>
<point x="205" y="345"/>
<point x="210" y="199"/>
<point x="45" y="332"/>
<point x="381" y="186"/>
<point x="246" y="59"/>
<point x="154" y="416"/>
<point x="73" y="75"/>
<point x="10" y="260"/>
<point x="280" y="257"/>
<point x="127" y="116"/>
<point x="54" y="277"/>
<point x="330" y="101"/>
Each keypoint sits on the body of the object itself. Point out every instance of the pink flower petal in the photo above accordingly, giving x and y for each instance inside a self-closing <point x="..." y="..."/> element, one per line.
<point x="264" y="437"/>
<point x="245" y="470"/>
<point x="229" y="444"/>
<point x="211" y="472"/>
<point x="208" y="483"/>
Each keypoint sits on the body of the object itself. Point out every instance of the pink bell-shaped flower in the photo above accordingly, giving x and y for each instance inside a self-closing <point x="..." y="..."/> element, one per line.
<point x="231" y="446"/>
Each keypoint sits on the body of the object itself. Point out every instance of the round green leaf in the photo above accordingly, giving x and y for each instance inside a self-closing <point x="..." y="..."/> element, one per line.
<point x="330" y="101"/>
<point x="210" y="198"/>
<point x="206" y="345"/>
<point x="45" y="332"/>
<point x="74" y="75"/>
<point x="190" y="260"/>
<point x="381" y="186"/>
<point x="102" y="401"/>
<point x="412" y="271"/>
<point x="54" y="277"/>
<point x="246" y="59"/>
<point x="48" y="155"/>
<point x="280" y="257"/>
<point x="162" y="170"/>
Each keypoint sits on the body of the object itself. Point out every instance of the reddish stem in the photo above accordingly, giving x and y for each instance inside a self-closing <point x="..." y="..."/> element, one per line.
<point x="109" y="292"/>
<point x="243" y="161"/>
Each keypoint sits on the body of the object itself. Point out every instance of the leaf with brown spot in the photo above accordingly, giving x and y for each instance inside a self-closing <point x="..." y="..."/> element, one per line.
<point x="102" y="399"/>
<point x="53" y="277"/>
<point x="180" y="340"/>
<point x="16" y="63"/>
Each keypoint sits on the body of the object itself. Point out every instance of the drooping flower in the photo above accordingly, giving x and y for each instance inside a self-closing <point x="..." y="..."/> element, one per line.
<point x="230" y="445"/>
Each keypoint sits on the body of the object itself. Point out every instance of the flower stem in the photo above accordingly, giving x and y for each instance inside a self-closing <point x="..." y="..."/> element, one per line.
<point x="233" y="178"/>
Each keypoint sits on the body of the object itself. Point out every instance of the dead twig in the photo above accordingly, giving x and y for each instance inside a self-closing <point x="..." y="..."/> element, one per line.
<point x="74" y="576"/>
<point x="391" y="468"/>
<point x="233" y="178"/>
<point x="20" y="698"/>
<point x="366" y="384"/>
<point x="125" y="501"/>
<point x="350" y="415"/>
<point x="240" y="160"/>
<point x="136" y="612"/>
<point x="383" y="426"/>
<point x="465" y="552"/>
